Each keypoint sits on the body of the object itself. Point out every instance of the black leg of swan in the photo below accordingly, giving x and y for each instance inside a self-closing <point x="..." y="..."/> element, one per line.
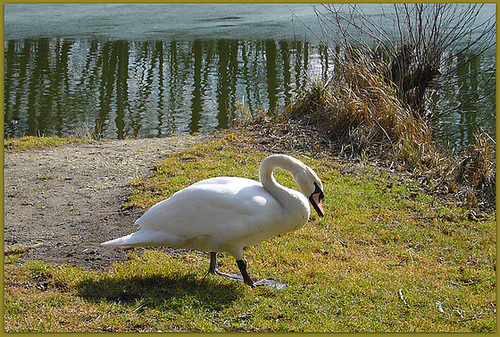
<point x="214" y="269"/>
<point x="242" y="265"/>
<point x="213" y="262"/>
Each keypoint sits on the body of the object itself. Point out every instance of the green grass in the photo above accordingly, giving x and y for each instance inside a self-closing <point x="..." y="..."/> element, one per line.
<point x="398" y="238"/>
<point x="32" y="142"/>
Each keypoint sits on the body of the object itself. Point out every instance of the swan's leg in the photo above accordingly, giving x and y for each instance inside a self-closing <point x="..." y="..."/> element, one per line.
<point x="242" y="264"/>
<point x="213" y="262"/>
<point x="214" y="270"/>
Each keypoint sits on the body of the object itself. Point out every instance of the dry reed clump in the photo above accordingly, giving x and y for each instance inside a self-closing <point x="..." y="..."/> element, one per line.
<point x="362" y="114"/>
<point x="472" y="176"/>
<point x="359" y="113"/>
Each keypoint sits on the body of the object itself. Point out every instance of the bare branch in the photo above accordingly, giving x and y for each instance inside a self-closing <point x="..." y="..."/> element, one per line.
<point x="400" y="292"/>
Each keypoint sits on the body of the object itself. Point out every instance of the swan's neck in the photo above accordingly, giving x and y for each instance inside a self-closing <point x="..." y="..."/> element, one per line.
<point x="294" y="202"/>
<point x="269" y="165"/>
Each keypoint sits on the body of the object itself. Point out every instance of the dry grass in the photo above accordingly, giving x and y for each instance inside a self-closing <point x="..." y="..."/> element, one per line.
<point x="32" y="142"/>
<point x="358" y="114"/>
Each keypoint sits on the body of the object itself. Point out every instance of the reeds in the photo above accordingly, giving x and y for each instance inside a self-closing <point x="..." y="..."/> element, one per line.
<point x="361" y="114"/>
<point x="472" y="175"/>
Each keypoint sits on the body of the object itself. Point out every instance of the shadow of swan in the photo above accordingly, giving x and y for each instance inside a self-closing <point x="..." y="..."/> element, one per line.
<point x="161" y="291"/>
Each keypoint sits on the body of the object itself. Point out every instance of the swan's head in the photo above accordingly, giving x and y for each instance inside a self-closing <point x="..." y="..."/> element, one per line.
<point x="311" y="187"/>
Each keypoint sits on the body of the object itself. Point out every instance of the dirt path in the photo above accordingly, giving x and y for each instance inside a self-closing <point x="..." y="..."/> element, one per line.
<point x="63" y="201"/>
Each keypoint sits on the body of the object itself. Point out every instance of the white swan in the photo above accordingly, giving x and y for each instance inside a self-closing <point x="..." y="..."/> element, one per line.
<point x="226" y="214"/>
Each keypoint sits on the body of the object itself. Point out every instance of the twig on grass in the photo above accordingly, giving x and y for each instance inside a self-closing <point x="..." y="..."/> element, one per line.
<point x="459" y="312"/>
<point x="471" y="318"/>
<point x="141" y="306"/>
<point x="400" y="292"/>
<point x="440" y="306"/>
<point x="341" y="242"/>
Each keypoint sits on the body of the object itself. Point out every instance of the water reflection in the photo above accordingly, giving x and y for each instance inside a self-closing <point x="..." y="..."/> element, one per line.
<point x="123" y="89"/>
<point x="467" y="105"/>
<point x="136" y="89"/>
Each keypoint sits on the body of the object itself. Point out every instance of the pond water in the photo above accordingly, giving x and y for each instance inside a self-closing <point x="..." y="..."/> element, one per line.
<point x="150" y="70"/>
<point x="125" y="89"/>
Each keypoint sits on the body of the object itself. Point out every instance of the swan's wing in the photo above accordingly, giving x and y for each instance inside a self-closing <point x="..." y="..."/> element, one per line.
<point x="219" y="206"/>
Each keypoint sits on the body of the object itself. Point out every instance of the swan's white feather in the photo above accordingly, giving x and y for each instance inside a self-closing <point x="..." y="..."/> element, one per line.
<point x="210" y="215"/>
<point x="225" y="214"/>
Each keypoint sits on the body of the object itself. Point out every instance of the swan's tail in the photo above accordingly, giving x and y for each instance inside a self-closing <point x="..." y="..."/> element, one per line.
<point x="146" y="237"/>
<point x="123" y="241"/>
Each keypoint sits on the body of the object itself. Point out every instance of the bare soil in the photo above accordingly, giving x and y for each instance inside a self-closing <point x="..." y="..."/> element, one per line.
<point x="62" y="202"/>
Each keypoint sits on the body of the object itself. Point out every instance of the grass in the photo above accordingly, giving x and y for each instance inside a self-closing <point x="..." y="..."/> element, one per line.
<point x="358" y="113"/>
<point x="32" y="142"/>
<point x="400" y="241"/>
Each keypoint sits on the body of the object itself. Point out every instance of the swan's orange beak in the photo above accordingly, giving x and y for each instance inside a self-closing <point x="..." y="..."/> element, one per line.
<point x="315" y="199"/>
<point x="316" y="202"/>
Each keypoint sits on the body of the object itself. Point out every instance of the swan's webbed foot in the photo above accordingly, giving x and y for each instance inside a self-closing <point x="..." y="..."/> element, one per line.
<point x="270" y="283"/>
<point x="242" y="265"/>
<point x="236" y="277"/>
